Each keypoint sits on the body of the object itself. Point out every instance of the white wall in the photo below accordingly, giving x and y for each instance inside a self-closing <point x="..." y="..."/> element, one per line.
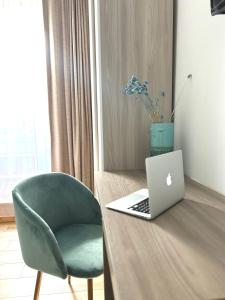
<point x="200" y="114"/>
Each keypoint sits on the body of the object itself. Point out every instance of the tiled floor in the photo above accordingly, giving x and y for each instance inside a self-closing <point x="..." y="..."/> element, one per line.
<point x="17" y="281"/>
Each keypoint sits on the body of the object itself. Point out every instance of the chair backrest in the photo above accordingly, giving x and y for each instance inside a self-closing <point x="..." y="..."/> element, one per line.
<point x="59" y="199"/>
<point x="43" y="204"/>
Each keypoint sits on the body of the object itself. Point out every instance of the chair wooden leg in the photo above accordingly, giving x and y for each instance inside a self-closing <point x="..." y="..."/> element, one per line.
<point x="69" y="279"/>
<point x="90" y="289"/>
<point x="37" y="286"/>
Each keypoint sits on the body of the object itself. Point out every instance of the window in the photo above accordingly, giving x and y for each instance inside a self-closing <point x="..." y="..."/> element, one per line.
<point x="24" y="126"/>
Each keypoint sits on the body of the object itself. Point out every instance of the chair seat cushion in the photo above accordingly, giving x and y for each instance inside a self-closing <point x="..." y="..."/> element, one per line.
<point x="82" y="249"/>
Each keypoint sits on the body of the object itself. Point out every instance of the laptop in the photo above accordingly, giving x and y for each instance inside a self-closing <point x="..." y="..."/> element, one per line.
<point x="165" y="181"/>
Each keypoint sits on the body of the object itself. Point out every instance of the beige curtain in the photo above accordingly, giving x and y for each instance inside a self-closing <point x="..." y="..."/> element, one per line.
<point x="69" y="87"/>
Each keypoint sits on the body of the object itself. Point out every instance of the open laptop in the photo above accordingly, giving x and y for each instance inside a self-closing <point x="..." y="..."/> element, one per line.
<point x="165" y="180"/>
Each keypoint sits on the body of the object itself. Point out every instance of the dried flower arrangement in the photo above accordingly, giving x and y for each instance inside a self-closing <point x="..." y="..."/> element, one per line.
<point x="152" y="105"/>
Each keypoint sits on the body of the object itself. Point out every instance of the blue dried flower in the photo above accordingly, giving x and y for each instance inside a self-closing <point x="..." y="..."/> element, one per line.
<point x="152" y="105"/>
<point x="135" y="87"/>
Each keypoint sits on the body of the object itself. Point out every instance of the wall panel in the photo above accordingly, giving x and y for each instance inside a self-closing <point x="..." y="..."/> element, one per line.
<point x="136" y="37"/>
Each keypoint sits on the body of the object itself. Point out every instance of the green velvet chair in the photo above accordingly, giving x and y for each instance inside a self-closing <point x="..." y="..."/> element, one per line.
<point x="59" y="226"/>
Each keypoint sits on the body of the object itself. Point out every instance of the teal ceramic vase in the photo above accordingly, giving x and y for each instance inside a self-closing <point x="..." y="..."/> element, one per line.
<point x="162" y="137"/>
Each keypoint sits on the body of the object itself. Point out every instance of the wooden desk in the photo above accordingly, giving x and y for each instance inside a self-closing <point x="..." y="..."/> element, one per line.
<point x="179" y="256"/>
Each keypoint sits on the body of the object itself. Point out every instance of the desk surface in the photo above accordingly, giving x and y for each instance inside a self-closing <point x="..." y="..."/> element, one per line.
<point x="179" y="255"/>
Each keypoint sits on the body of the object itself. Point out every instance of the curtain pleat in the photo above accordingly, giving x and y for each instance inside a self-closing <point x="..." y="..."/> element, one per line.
<point x="69" y="87"/>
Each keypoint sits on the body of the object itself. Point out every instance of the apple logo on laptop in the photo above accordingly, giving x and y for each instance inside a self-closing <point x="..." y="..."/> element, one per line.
<point x="169" y="179"/>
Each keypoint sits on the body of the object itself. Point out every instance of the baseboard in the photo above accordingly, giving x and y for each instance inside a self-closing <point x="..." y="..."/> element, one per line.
<point x="7" y="219"/>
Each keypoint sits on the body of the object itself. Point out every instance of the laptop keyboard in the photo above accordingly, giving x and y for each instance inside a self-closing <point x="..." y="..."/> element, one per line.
<point x="142" y="207"/>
